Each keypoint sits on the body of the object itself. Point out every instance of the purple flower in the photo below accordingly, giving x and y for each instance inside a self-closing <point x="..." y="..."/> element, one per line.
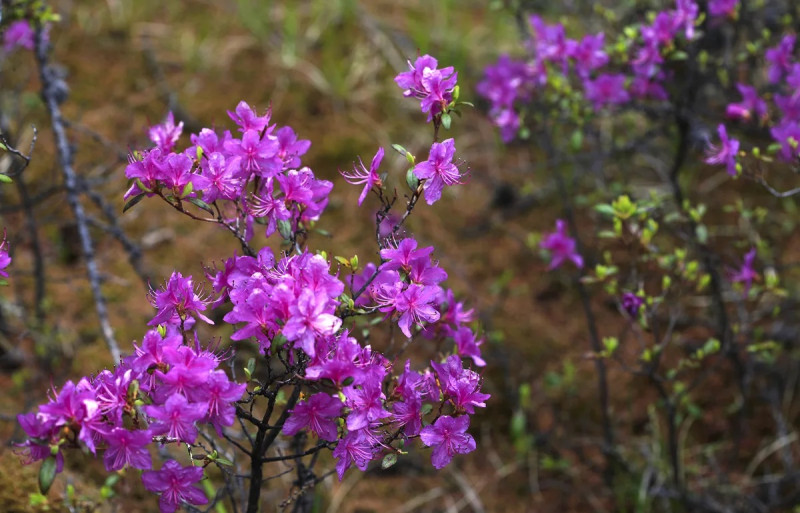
<point x="549" y="42"/>
<point x="751" y="104"/>
<point x="746" y="274"/>
<point x="788" y="135"/>
<point x="366" y="404"/>
<point x="246" y="118"/>
<point x="127" y="448"/>
<point x="309" y="320"/>
<point x="606" y="89"/>
<point x="725" y="153"/>
<point x="467" y="346"/>
<point x="368" y="178"/>
<point x="219" y="392"/>
<point x="434" y="87"/>
<point x="561" y="246"/>
<point x="5" y="260"/>
<point x="19" y="33"/>
<point x="685" y="16"/>
<point x="290" y="148"/>
<point x="448" y="436"/>
<point x="221" y="178"/>
<point x="166" y="134"/>
<point x="259" y="155"/>
<point x="177" y="301"/>
<point x="718" y="8"/>
<point x="174" y="483"/>
<point x="438" y="170"/>
<point x="589" y="54"/>
<point x="403" y="256"/>
<point x="780" y="58"/>
<point x="356" y="447"/>
<point x="632" y="303"/>
<point x="318" y="414"/>
<point x="265" y="205"/>
<point x="461" y="385"/>
<point x="176" y="418"/>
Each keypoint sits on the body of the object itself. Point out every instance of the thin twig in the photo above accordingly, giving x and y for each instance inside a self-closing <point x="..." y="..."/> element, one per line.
<point x="52" y="91"/>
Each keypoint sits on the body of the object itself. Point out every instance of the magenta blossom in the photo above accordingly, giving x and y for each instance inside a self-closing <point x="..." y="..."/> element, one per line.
<point x="434" y="87"/>
<point x="746" y="274"/>
<point x="751" y="106"/>
<point x="368" y="178"/>
<point x="318" y="414"/>
<point x="725" y="153"/>
<point x="5" y="260"/>
<point x="448" y="436"/>
<point x="174" y="483"/>
<point x="606" y="89"/>
<point x="719" y="8"/>
<point x="127" y="448"/>
<point x="166" y="134"/>
<point x="780" y="58"/>
<point x="438" y="171"/>
<point x="177" y="301"/>
<point x="561" y="246"/>
<point x="18" y="34"/>
<point x="631" y="303"/>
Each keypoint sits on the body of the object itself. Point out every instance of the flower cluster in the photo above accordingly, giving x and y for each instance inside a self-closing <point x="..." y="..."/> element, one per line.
<point x="259" y="172"/>
<point x="433" y="87"/>
<point x="161" y="393"/>
<point x="294" y="307"/>
<point x="553" y="57"/>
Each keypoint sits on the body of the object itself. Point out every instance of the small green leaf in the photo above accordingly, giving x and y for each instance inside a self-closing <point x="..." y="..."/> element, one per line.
<point x="399" y="149"/>
<point x="285" y="229"/>
<point x="132" y="202"/>
<point x="47" y="474"/>
<point x="200" y="204"/>
<point x="446" y="120"/>
<point x="389" y="460"/>
<point x="5" y="178"/>
<point x="411" y="180"/>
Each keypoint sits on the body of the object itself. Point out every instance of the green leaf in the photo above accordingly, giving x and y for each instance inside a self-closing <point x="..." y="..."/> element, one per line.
<point x="132" y="202"/>
<point x="411" y="180"/>
<point x="446" y="120"/>
<point x="399" y="149"/>
<point x="389" y="460"/>
<point x="250" y="368"/>
<point x="47" y="474"/>
<point x="5" y="178"/>
<point x="200" y="204"/>
<point x="285" y="229"/>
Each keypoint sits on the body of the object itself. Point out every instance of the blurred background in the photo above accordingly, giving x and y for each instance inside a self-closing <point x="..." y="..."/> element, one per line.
<point x="326" y="68"/>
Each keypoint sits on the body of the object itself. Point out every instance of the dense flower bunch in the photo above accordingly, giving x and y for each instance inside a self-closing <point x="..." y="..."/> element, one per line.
<point x="259" y="172"/>
<point x="605" y="75"/>
<point x="783" y="119"/>
<point x="295" y="308"/>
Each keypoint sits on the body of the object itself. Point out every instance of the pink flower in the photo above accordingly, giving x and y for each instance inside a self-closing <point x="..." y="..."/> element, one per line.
<point x="19" y="33"/>
<point x="174" y="483"/>
<point x="725" y="153"/>
<point x="448" y="436"/>
<point x="561" y="246"/>
<point x="318" y="414"/>
<point x="368" y="178"/>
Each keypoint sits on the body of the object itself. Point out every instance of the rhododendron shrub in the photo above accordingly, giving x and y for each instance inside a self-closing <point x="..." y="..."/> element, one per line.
<point x="316" y="384"/>
<point x="670" y="133"/>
